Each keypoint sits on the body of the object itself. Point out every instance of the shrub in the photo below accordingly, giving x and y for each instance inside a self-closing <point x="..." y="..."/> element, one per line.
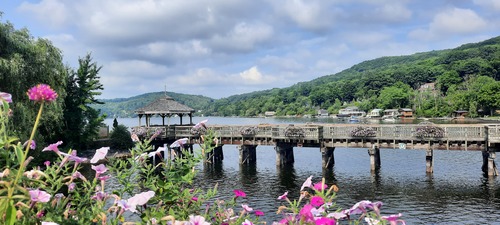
<point x="120" y="138"/>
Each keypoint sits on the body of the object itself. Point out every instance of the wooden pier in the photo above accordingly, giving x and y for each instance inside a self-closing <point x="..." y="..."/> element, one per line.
<point x="429" y="137"/>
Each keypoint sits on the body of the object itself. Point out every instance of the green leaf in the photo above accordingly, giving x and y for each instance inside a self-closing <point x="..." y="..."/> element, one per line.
<point x="10" y="215"/>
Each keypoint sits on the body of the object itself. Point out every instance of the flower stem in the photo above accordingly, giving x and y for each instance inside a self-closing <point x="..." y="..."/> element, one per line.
<point x="25" y="154"/>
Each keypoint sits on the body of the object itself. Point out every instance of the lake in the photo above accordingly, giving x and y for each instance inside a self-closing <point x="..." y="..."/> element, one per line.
<point x="456" y="193"/>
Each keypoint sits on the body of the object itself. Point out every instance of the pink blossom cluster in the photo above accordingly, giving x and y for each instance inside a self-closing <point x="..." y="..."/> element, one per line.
<point x="42" y="93"/>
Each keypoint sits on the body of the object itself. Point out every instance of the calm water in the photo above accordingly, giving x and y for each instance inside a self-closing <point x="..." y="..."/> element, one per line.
<point x="456" y="193"/>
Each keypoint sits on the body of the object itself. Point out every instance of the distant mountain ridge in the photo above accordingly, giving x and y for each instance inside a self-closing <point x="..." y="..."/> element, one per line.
<point x="360" y="84"/>
<point x="125" y="107"/>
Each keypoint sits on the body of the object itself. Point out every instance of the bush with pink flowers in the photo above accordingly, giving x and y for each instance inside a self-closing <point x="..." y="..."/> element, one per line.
<point x="154" y="188"/>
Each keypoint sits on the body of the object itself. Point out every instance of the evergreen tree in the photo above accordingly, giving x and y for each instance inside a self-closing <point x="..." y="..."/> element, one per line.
<point x="82" y="121"/>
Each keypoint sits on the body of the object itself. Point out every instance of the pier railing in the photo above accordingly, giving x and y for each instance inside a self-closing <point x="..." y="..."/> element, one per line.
<point x="317" y="132"/>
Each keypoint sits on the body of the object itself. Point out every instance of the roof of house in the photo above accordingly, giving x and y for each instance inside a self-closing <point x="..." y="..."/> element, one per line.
<point x="165" y="105"/>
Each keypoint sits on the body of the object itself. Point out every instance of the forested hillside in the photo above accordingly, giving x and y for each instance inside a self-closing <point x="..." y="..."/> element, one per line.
<point x="124" y="107"/>
<point x="464" y="78"/>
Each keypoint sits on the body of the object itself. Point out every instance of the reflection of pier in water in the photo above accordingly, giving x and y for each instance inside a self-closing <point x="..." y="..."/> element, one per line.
<point x="429" y="137"/>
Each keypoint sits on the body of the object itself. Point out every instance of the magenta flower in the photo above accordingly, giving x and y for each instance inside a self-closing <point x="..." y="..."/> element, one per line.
<point x="99" y="154"/>
<point x="32" y="144"/>
<point x="325" y="221"/>
<point x="39" y="196"/>
<point x="53" y="147"/>
<point x="194" y="199"/>
<point x="239" y="193"/>
<point x="6" y="97"/>
<point x="197" y="220"/>
<point x="258" y="213"/>
<point x="306" y="213"/>
<point x="46" y="163"/>
<point x="42" y="93"/>
<point x="320" y="186"/>
<point x="307" y="183"/>
<point x="281" y="197"/>
<point x="317" y="201"/>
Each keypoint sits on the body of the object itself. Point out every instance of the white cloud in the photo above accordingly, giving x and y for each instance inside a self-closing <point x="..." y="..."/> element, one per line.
<point x="311" y="15"/>
<point x="450" y="22"/>
<point x="489" y="4"/>
<point x="243" y="37"/>
<point x="252" y="76"/>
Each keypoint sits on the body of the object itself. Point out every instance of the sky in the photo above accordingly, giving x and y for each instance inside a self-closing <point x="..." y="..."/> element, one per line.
<point x="219" y="48"/>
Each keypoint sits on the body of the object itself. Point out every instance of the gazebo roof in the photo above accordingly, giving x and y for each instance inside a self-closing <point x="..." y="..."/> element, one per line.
<point x="165" y="105"/>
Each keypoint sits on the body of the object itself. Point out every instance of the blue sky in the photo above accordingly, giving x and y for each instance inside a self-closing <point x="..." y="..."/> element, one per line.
<point x="219" y="48"/>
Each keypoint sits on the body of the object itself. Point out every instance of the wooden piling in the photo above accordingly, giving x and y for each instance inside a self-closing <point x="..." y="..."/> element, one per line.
<point x="328" y="156"/>
<point x="374" y="153"/>
<point x="216" y="155"/>
<point x="429" y="160"/>
<point x="248" y="154"/>
<point x="489" y="167"/>
<point x="284" y="153"/>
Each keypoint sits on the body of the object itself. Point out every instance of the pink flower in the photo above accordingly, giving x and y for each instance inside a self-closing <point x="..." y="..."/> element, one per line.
<point x="317" y="201"/>
<point x="239" y="193"/>
<point x="74" y="157"/>
<point x="42" y="93"/>
<point x="393" y="219"/>
<point x="246" y="208"/>
<point x="320" y="186"/>
<point x="134" y="137"/>
<point x="49" y="223"/>
<point x="307" y="183"/>
<point x="99" y="154"/>
<point x="100" y="196"/>
<point x="194" y="199"/>
<point x="259" y="213"/>
<point x="306" y="213"/>
<point x="247" y="222"/>
<point x="325" y="221"/>
<point x="71" y="187"/>
<point x="197" y="220"/>
<point x="39" y="196"/>
<point x="6" y="97"/>
<point x="53" y="147"/>
<point x="99" y="169"/>
<point x="281" y="197"/>
<point x="32" y="144"/>
<point x="138" y="199"/>
<point x="46" y="163"/>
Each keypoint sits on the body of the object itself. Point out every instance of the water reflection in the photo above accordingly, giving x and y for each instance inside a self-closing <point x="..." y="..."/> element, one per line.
<point x="287" y="177"/>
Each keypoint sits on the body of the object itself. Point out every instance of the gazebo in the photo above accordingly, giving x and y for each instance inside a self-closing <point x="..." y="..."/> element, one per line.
<point x="164" y="107"/>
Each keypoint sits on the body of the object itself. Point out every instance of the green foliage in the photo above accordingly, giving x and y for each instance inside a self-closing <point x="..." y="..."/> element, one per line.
<point x="120" y="138"/>
<point x="82" y="121"/>
<point x="24" y="63"/>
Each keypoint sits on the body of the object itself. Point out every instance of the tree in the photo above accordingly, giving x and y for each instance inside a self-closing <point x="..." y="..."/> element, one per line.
<point x="82" y="121"/>
<point x="395" y="96"/>
<point x="24" y="63"/>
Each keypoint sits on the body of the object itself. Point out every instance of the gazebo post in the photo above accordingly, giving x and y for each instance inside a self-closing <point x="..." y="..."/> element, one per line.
<point x="180" y="116"/>
<point x="140" y="116"/>
<point x="163" y="118"/>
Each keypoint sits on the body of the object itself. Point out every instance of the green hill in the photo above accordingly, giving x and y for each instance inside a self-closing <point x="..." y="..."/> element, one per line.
<point x="124" y="107"/>
<point x="460" y="76"/>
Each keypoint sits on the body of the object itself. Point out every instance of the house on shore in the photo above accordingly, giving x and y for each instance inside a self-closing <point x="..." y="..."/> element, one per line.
<point x="406" y="113"/>
<point x="351" y="111"/>
<point x="375" y="114"/>
<point x="323" y="113"/>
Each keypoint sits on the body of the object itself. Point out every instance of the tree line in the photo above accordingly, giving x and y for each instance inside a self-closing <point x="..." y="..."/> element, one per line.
<point x="26" y="61"/>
